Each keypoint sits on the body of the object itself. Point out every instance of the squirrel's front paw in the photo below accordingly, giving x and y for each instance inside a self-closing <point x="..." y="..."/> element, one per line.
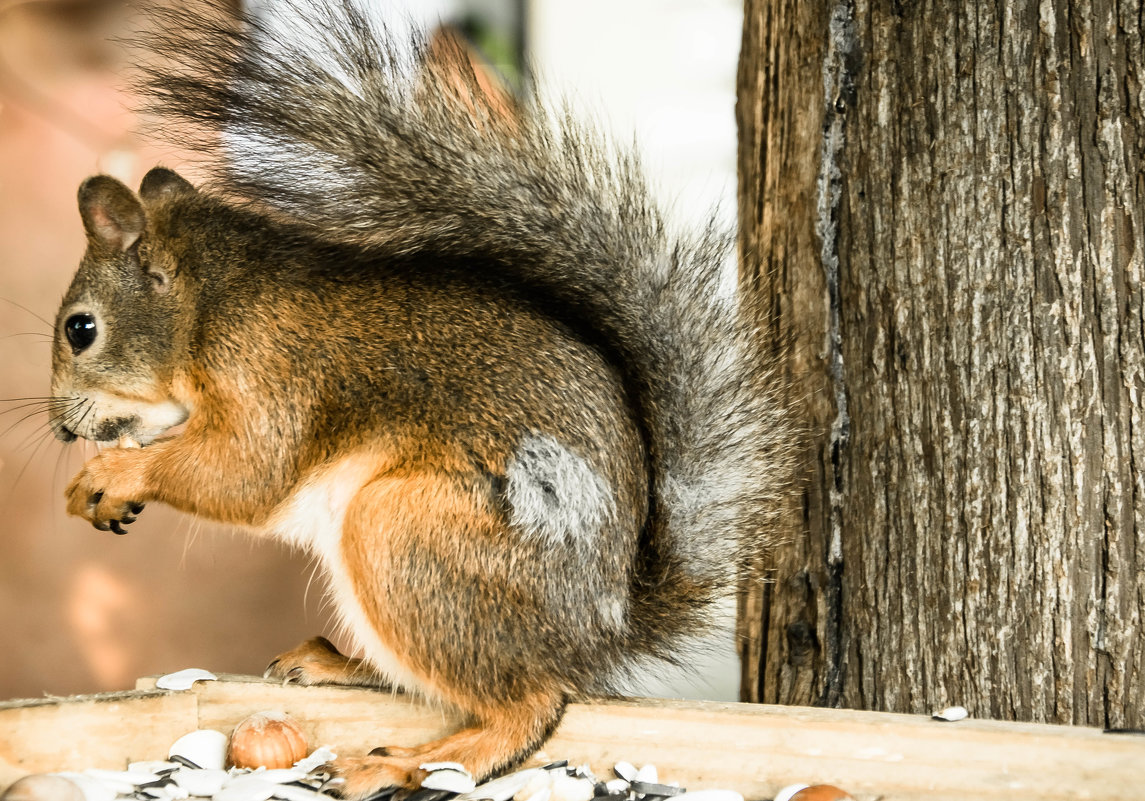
<point x="106" y="491"/>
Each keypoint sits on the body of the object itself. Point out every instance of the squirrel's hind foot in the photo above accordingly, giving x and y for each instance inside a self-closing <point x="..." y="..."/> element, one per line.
<point x="500" y="741"/>
<point x="360" y="778"/>
<point x="317" y="661"/>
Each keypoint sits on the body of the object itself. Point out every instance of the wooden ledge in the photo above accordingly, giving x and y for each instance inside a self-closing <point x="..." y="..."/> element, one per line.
<point x="755" y="749"/>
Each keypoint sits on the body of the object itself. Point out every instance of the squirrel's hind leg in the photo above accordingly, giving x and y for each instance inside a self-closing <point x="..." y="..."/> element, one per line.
<point x="458" y="601"/>
<point x="494" y="742"/>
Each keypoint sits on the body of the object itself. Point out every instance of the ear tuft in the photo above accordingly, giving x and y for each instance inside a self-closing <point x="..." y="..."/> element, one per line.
<point x="160" y="183"/>
<point x="112" y="215"/>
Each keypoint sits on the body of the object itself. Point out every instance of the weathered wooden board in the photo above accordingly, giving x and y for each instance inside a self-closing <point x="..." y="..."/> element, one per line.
<point x="755" y="749"/>
<point x="90" y="731"/>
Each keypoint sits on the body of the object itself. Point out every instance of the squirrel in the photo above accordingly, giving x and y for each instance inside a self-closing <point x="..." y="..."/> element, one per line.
<point x="455" y="353"/>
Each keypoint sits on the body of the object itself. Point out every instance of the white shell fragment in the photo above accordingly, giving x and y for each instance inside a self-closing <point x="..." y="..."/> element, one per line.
<point x="289" y="792"/>
<point x="281" y="775"/>
<point x="501" y="789"/>
<point x="647" y="774"/>
<point x="625" y="770"/>
<point x="952" y="714"/>
<point x="92" y="789"/>
<point x="455" y="781"/>
<point x="195" y="772"/>
<point x="183" y="679"/>
<point x="317" y="759"/>
<point x="121" y="781"/>
<point x="152" y="766"/>
<point x="207" y="748"/>
<point x="533" y="785"/>
<point x="569" y="788"/>
<point x="200" y="782"/>
<point x="790" y="790"/>
<point x="246" y="788"/>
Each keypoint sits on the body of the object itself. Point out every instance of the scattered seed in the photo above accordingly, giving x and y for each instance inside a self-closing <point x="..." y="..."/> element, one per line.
<point x="200" y="782"/>
<point x="428" y="795"/>
<point x="617" y="786"/>
<point x="318" y="758"/>
<point x="204" y="748"/>
<point x="246" y="788"/>
<point x="183" y="679"/>
<point x="194" y="771"/>
<point x="382" y="795"/>
<point x="647" y="774"/>
<point x="501" y="789"/>
<point x="571" y="788"/>
<point x="952" y="714"/>
<point x="787" y="792"/>
<point x="453" y="781"/>
<point x="625" y="770"/>
<point x="537" y="781"/>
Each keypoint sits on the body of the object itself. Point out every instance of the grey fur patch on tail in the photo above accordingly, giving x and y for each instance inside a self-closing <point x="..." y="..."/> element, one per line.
<point x="554" y="494"/>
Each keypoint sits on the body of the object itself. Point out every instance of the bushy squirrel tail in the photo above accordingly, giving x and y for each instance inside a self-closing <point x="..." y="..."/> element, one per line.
<point x="335" y="125"/>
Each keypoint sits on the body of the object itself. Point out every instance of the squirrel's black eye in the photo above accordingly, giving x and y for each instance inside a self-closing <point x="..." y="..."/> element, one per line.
<point x="80" y="331"/>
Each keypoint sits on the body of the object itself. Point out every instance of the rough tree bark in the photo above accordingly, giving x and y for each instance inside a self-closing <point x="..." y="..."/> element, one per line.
<point x="943" y="202"/>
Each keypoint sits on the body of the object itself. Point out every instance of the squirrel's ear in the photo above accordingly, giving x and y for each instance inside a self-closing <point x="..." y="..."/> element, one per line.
<point x="160" y="183"/>
<point x="455" y="70"/>
<point x="112" y="215"/>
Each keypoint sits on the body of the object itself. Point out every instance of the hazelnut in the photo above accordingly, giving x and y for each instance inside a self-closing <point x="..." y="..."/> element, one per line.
<point x="267" y="740"/>
<point x="822" y="792"/>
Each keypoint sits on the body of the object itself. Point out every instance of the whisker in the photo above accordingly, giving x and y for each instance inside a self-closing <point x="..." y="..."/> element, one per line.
<point x="68" y="419"/>
<point x="51" y="326"/>
<point x="43" y="337"/>
<point x="39" y="407"/>
<point x="40" y="442"/>
<point x="79" y="423"/>
<point x="28" y="416"/>
<point x="35" y="436"/>
<point x="45" y="403"/>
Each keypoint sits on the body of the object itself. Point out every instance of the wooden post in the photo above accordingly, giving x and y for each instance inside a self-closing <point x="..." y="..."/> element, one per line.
<point x="944" y="203"/>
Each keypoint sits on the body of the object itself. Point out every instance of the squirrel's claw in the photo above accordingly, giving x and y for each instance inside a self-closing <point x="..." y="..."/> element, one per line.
<point x="369" y="777"/>
<point x="101" y="495"/>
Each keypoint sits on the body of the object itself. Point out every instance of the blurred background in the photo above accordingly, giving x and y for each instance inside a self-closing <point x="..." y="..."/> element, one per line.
<point x="82" y="610"/>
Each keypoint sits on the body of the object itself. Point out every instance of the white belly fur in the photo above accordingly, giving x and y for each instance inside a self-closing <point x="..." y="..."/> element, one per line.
<point x="312" y="518"/>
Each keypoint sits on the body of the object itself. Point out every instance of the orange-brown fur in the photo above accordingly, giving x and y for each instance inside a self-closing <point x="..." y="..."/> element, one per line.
<point x="454" y="353"/>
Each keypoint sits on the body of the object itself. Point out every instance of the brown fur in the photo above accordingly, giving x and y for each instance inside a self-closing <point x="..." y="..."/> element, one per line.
<point x="453" y="352"/>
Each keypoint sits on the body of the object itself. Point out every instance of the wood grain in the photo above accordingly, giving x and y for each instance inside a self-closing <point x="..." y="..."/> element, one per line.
<point x="946" y="200"/>
<point x="755" y="749"/>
